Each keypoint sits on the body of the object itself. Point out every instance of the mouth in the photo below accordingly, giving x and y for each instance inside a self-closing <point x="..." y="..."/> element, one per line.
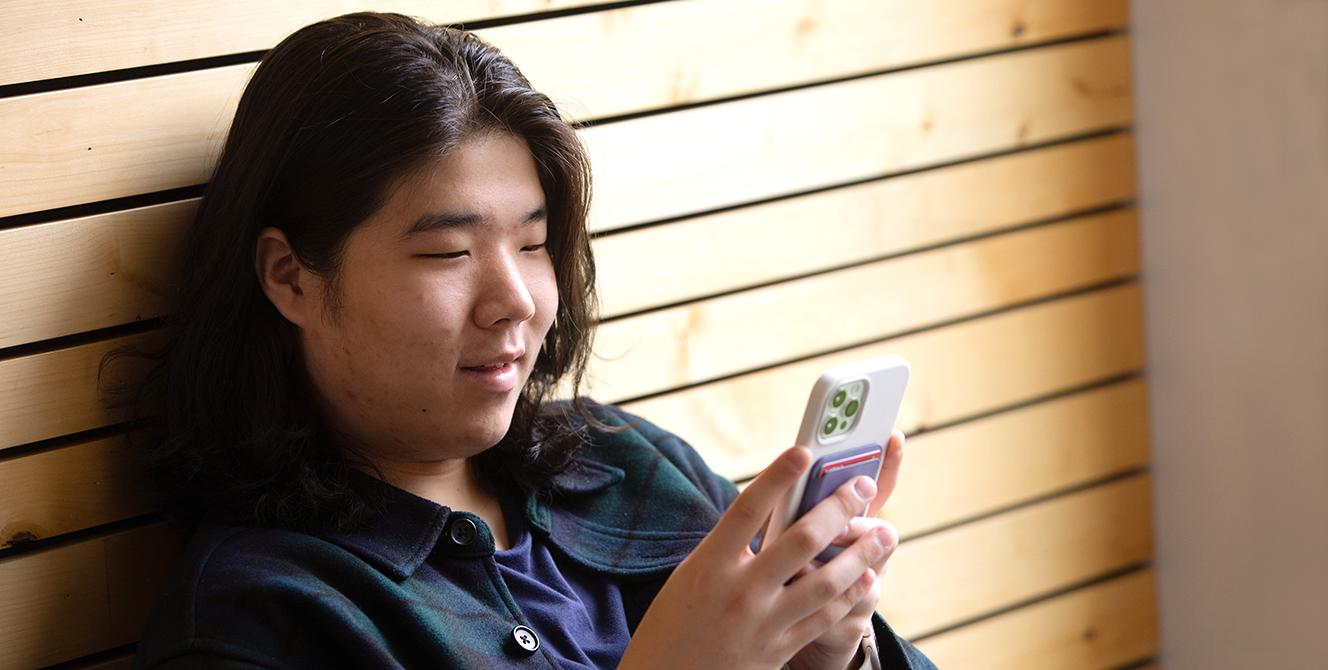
<point x="496" y="362"/>
<point x="496" y="373"/>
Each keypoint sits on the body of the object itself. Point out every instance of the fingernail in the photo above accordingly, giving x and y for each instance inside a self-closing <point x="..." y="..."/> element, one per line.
<point x="865" y="487"/>
<point x="880" y="536"/>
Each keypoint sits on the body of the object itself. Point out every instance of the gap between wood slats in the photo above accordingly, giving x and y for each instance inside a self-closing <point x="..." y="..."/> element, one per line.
<point x="97" y="46"/>
<point x="57" y="388"/>
<point x="1112" y="419"/>
<point x="743" y="422"/>
<point x="823" y="36"/>
<point x="1086" y="136"/>
<point x="1099" y="626"/>
<point x="761" y="147"/>
<point x="703" y="341"/>
<point x="1089" y="534"/>
<point x="115" y="268"/>
<point x="944" y="579"/>
<point x="118" y="658"/>
<point x="956" y="112"/>
<point x="772" y="242"/>
<point x="83" y="597"/>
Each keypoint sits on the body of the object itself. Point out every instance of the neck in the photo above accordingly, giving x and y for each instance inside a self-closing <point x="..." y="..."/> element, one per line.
<point x="450" y="483"/>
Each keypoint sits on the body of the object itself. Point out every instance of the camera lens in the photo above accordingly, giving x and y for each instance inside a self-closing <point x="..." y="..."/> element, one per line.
<point x="852" y="408"/>
<point x="839" y="398"/>
<point x="830" y="426"/>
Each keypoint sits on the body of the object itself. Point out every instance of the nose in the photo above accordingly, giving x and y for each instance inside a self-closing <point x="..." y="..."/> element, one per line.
<point x="504" y="293"/>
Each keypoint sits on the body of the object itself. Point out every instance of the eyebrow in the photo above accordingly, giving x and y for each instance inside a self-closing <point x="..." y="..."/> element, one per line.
<point x="433" y="221"/>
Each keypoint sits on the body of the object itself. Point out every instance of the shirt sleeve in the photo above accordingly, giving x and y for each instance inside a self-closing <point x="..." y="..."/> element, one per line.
<point x="894" y="652"/>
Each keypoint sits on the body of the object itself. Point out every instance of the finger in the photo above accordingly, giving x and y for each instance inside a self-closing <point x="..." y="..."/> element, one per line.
<point x="810" y="593"/>
<point x="889" y="475"/>
<point x="854" y="530"/>
<point x="813" y="532"/>
<point x="826" y="617"/>
<point x="749" y="510"/>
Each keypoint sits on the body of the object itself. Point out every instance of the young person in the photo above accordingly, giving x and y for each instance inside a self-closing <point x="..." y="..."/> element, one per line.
<point x="386" y="279"/>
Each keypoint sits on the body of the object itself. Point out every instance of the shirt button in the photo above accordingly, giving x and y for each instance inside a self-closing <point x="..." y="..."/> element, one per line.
<point x="463" y="531"/>
<point x="525" y="638"/>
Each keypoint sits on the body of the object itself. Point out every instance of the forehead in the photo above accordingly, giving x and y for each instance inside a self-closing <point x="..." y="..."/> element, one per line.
<point x="489" y="178"/>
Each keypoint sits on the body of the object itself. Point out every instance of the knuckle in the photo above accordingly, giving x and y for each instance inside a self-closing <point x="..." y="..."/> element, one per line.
<point x="804" y="539"/>
<point x="825" y="589"/>
<point x="743" y="509"/>
<point x="849" y="503"/>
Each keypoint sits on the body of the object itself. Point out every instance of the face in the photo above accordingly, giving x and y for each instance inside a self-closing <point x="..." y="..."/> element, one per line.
<point x="443" y="299"/>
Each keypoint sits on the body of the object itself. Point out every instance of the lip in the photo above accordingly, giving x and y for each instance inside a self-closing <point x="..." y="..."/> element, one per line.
<point x="500" y="358"/>
<point x="498" y="373"/>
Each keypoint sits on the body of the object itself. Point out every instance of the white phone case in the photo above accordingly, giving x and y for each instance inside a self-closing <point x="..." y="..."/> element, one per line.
<point x="883" y="382"/>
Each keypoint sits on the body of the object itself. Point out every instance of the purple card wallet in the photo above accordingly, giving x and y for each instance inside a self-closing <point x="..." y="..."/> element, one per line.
<point x="829" y="472"/>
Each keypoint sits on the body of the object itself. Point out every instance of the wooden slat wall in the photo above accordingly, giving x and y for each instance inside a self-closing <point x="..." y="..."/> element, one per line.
<point x="954" y="178"/>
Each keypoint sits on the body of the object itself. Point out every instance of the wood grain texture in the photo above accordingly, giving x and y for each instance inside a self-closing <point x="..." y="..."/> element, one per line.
<point x="973" y="468"/>
<point x="54" y="492"/>
<point x="674" y="53"/>
<point x="1043" y="448"/>
<point x="720" y="155"/>
<point x="701" y="341"/>
<point x="72" y="37"/>
<point x="765" y="242"/>
<point x="944" y="579"/>
<point x="730" y="45"/>
<point x="99" y="142"/>
<point x="100" y="590"/>
<point x="959" y="371"/>
<point x="82" y="274"/>
<point x="74" y="600"/>
<point x="55" y="393"/>
<point x="1103" y="626"/>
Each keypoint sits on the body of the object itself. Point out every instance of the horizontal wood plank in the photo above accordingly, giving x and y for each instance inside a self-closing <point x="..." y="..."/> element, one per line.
<point x="72" y="37"/>
<point x="54" y="492"/>
<point x="765" y="242"/>
<point x="55" y="393"/>
<point x="1003" y="460"/>
<point x="99" y="142"/>
<point x="71" y="601"/>
<point x="959" y="371"/>
<point x="701" y="341"/>
<point x="720" y="155"/>
<point x="781" y="43"/>
<point x="736" y="47"/>
<point x="944" y="579"/>
<point x="1044" y="447"/>
<point x="82" y="274"/>
<point x="101" y="590"/>
<point x="1103" y="626"/>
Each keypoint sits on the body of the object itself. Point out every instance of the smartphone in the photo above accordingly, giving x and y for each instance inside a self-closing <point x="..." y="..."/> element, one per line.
<point x="849" y="417"/>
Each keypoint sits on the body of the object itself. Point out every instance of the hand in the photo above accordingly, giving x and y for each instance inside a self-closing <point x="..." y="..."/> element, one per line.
<point x="837" y="647"/>
<point x="724" y="607"/>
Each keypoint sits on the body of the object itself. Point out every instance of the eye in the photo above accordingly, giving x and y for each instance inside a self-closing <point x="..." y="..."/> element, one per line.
<point x="533" y="247"/>
<point x="450" y="254"/>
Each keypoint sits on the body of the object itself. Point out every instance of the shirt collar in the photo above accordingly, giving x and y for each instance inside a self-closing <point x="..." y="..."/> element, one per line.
<point x="591" y="513"/>
<point x="397" y="541"/>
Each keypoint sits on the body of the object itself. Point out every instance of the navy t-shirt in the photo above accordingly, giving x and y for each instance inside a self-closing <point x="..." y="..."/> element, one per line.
<point x="578" y="616"/>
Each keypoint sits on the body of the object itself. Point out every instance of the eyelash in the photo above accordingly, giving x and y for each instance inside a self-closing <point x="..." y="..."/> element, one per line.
<point x="459" y="254"/>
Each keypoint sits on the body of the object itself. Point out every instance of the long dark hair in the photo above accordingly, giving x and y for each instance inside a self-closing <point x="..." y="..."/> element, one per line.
<point x="333" y="115"/>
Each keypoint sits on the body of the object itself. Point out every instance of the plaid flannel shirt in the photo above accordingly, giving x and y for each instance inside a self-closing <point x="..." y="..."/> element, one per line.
<point x="418" y="588"/>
